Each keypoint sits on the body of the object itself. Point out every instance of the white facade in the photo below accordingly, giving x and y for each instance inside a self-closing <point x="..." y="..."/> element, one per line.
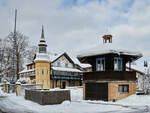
<point x="62" y="62"/>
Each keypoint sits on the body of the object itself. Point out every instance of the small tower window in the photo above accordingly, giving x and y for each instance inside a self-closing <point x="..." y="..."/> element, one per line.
<point x="117" y="64"/>
<point x="42" y="49"/>
<point x="47" y="71"/>
<point x="42" y="72"/>
<point x="100" y="64"/>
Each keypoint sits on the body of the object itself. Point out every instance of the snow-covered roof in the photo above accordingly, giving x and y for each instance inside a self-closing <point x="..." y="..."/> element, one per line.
<point x="76" y="61"/>
<point x="54" y="56"/>
<point x="42" y="43"/>
<point x="106" y="49"/>
<point x="66" y="69"/>
<point x="25" y="71"/>
<point x="42" y="57"/>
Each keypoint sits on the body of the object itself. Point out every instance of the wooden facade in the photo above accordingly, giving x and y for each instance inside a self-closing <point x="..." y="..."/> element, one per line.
<point x="110" y="76"/>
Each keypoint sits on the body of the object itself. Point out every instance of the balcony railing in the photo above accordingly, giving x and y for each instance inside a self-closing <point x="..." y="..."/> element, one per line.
<point x="113" y="75"/>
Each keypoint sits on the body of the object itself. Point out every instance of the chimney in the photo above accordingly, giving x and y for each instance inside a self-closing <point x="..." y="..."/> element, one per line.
<point x="107" y="39"/>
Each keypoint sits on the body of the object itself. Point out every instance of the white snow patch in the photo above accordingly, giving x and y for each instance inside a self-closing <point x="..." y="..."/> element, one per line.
<point x="66" y="69"/>
<point x="25" y="71"/>
<point x="42" y="57"/>
<point x="139" y="100"/>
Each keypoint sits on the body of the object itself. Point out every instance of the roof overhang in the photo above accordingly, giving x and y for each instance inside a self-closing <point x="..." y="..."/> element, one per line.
<point x="132" y="55"/>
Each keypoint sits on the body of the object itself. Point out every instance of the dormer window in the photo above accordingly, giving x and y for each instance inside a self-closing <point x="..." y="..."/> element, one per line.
<point x="117" y="64"/>
<point x="100" y="64"/>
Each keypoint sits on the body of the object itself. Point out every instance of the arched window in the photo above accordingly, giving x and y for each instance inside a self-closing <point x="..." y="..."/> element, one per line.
<point x="42" y="72"/>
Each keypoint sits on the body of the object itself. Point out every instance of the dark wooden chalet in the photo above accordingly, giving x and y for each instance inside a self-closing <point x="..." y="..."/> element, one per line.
<point x="109" y="79"/>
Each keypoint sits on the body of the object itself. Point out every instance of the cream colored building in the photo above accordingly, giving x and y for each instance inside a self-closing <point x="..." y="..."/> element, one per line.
<point x="51" y="69"/>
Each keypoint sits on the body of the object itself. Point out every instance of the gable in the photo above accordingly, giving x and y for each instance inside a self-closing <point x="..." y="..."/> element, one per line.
<point x="63" y="61"/>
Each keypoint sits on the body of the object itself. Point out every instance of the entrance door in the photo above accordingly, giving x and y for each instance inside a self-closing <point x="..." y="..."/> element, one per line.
<point x="96" y="91"/>
<point x="63" y="85"/>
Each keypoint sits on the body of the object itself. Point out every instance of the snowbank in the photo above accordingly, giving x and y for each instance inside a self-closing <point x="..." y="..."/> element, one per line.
<point x="139" y="100"/>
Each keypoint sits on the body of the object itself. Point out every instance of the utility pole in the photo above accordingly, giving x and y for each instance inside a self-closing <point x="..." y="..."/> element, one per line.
<point x="13" y="72"/>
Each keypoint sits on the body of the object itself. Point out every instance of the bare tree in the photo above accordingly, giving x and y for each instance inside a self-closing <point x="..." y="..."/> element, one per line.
<point x="31" y="53"/>
<point x="5" y="58"/>
<point x="22" y="45"/>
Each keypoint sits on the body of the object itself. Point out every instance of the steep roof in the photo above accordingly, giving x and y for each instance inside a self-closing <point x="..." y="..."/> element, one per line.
<point x="66" y="55"/>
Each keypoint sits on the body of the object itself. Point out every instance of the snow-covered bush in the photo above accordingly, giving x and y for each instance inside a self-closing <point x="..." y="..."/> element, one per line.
<point x="23" y="80"/>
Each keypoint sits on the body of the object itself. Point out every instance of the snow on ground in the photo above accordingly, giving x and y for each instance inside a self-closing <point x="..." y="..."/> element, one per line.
<point x="138" y="100"/>
<point x="76" y="93"/>
<point x="17" y="104"/>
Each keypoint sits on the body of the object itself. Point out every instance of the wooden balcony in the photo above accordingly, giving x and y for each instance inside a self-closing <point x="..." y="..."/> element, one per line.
<point x="115" y="75"/>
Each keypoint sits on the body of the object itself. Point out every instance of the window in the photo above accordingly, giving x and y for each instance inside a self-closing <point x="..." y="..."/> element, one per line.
<point x="66" y="64"/>
<point x="100" y="64"/>
<point x="37" y="72"/>
<point x="47" y="71"/>
<point x="123" y="88"/>
<point x="58" y="64"/>
<point x="117" y="64"/>
<point x="42" y="82"/>
<point x="47" y="83"/>
<point x="42" y="49"/>
<point x="42" y="72"/>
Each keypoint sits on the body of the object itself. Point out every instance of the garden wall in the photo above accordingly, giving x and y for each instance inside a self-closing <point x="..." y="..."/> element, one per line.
<point x="47" y="97"/>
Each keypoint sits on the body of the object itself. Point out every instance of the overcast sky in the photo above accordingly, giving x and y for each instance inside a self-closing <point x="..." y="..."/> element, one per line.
<point x="74" y="25"/>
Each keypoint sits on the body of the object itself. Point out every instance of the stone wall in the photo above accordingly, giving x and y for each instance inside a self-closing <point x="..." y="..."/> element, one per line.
<point x="47" y="97"/>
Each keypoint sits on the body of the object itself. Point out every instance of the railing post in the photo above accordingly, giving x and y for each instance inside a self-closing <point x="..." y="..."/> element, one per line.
<point x="7" y="87"/>
<point x="18" y="89"/>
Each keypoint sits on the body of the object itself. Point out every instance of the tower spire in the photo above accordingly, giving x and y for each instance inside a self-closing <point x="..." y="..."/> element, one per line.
<point x="42" y="34"/>
<point x="42" y="43"/>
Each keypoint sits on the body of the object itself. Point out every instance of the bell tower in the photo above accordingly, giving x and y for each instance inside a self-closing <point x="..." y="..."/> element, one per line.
<point x="42" y="64"/>
<point x="42" y="43"/>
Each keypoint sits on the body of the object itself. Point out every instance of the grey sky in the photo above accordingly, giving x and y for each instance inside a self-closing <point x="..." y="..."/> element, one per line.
<point x="74" y="25"/>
